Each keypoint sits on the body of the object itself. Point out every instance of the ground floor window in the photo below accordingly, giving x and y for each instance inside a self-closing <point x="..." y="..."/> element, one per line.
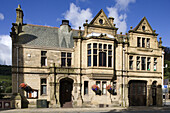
<point x="85" y="87"/>
<point x="43" y="86"/>
<point x="102" y="86"/>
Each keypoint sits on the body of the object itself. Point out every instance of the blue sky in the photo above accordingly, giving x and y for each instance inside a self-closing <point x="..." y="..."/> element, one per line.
<point x="51" y="12"/>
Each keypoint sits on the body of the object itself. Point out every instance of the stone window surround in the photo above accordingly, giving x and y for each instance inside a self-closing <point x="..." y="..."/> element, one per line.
<point x="107" y="54"/>
<point x="146" y="63"/>
<point x="140" y="42"/>
<point x="66" y="57"/>
<point x="41" y="92"/>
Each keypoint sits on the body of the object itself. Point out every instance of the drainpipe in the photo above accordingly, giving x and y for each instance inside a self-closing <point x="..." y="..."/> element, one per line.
<point x="162" y="74"/>
<point x="123" y="77"/>
<point x="17" y="66"/>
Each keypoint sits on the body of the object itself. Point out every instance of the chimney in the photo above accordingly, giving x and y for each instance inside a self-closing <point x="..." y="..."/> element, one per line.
<point x="20" y="14"/>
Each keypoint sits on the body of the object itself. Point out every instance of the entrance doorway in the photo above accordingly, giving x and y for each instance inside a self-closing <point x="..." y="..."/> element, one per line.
<point x="66" y="87"/>
<point x="137" y="93"/>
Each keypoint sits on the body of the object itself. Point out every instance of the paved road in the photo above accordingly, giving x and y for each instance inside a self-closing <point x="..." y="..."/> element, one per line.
<point x="92" y="110"/>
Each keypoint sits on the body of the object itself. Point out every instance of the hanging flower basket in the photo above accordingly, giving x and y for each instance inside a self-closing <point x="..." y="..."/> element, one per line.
<point x="95" y="87"/>
<point x="109" y="89"/>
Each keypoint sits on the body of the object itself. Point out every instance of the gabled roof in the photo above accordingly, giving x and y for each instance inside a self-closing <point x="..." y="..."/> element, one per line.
<point x="98" y="14"/>
<point x="144" y="18"/>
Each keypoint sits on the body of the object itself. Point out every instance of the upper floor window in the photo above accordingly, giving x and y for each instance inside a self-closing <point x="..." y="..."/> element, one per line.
<point x="155" y="64"/>
<point x="148" y="43"/>
<point x="65" y="59"/>
<point x="148" y="63"/>
<point x="143" y="42"/>
<point x="138" y="42"/>
<point x="43" y="58"/>
<point x="89" y="54"/>
<point x="101" y="55"/>
<point x="138" y="63"/>
<point x="130" y="62"/>
<point x="143" y="65"/>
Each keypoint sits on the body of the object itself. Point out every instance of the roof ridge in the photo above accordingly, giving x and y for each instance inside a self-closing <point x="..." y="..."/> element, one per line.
<point x="42" y="26"/>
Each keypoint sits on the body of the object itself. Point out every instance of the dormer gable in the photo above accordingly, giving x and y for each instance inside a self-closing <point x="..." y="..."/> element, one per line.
<point x="101" y="20"/>
<point x="143" y="27"/>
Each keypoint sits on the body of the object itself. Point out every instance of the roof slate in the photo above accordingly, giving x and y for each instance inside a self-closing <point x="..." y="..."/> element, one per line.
<point x="35" y="35"/>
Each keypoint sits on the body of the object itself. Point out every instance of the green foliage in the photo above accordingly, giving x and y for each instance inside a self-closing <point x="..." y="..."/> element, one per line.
<point x="5" y="79"/>
<point x="167" y="61"/>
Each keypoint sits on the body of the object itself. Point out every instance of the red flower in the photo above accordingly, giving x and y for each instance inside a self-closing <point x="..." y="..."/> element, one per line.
<point x="109" y="87"/>
<point x="95" y="87"/>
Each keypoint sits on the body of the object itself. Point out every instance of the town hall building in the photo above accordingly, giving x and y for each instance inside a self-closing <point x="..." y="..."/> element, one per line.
<point x="90" y="67"/>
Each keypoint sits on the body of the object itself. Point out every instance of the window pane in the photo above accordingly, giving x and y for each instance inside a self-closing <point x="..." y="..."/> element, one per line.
<point x="43" y="89"/>
<point x="63" y="61"/>
<point x="43" y="53"/>
<point x="148" y="43"/>
<point x="68" y="62"/>
<point x="89" y="46"/>
<point x="104" y="88"/>
<point x="110" y="61"/>
<point x="138" y="42"/>
<point x="95" y="45"/>
<point x="100" y="58"/>
<point x="43" y="81"/>
<point x="94" y="60"/>
<point x="104" y="59"/>
<point x="110" y="52"/>
<point x="94" y="51"/>
<point x="89" y="60"/>
<point x="143" y="63"/>
<point x="85" y="87"/>
<point x="109" y="46"/>
<point x="68" y="54"/>
<point x="89" y="51"/>
<point x="98" y="83"/>
<point x="63" y="54"/>
<point x="143" y="42"/>
<point x="100" y="46"/>
<point x="43" y="61"/>
<point x="105" y="46"/>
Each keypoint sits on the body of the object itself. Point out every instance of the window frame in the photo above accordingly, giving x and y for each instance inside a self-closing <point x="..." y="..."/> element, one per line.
<point x="143" y="63"/>
<point x="66" y="58"/>
<point x="41" y="84"/>
<point x="138" y="63"/>
<point x="43" y="58"/>
<point x="155" y="64"/>
<point x="148" y="63"/>
<point x="131" y="62"/>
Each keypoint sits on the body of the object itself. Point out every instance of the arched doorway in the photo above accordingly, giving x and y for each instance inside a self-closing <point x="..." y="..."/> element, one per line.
<point x="154" y="92"/>
<point x="66" y="87"/>
<point x="137" y="93"/>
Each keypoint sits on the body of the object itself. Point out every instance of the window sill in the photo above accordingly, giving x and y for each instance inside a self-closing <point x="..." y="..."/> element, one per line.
<point x="43" y="95"/>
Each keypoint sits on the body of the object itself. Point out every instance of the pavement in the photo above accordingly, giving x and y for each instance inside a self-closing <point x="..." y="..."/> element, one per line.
<point x="91" y="110"/>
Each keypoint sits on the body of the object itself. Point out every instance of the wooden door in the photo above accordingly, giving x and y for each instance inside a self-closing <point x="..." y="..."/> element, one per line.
<point x="137" y="93"/>
<point x="66" y="86"/>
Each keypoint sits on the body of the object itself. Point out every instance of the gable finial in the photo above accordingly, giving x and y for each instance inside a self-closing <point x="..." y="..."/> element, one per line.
<point x="131" y="27"/>
<point x="160" y="41"/>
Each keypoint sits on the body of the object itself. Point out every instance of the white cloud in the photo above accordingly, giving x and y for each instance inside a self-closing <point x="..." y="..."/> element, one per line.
<point x="5" y="49"/>
<point x="77" y="16"/>
<point x="1" y="16"/>
<point x="120" y="19"/>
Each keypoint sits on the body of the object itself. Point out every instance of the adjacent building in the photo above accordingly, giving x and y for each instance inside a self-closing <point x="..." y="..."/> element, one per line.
<point x="93" y="67"/>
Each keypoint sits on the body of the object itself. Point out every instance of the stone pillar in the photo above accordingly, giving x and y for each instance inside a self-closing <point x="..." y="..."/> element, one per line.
<point x="149" y="100"/>
<point x="159" y="95"/>
<point x="58" y="95"/>
<point x="79" y="98"/>
<point x="52" y="96"/>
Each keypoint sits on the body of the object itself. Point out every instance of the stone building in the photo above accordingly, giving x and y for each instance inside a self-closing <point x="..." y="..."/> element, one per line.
<point x="62" y="64"/>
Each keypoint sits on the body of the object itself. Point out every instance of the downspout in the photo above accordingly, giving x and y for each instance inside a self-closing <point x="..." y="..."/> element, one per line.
<point x="17" y="66"/>
<point x="162" y="74"/>
<point x="123" y="77"/>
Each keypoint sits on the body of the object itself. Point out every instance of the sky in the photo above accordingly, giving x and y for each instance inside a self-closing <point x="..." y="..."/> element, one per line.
<point x="126" y="13"/>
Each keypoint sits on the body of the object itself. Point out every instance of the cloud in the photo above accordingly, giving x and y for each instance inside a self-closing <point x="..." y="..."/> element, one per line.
<point x="77" y="16"/>
<point x="5" y="49"/>
<point x="1" y="16"/>
<point x="119" y="13"/>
